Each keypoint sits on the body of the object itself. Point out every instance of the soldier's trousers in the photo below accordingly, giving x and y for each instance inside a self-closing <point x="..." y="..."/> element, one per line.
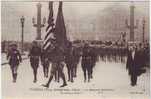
<point x="75" y="69"/>
<point x="87" y="69"/>
<point x="57" y="76"/>
<point x="46" y="69"/>
<point x="57" y="66"/>
<point x="14" y="69"/>
<point x="70" y="71"/>
<point x="35" y="67"/>
<point x="34" y="61"/>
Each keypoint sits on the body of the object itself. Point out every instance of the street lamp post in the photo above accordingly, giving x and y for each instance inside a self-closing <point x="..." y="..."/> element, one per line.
<point x="22" y="20"/>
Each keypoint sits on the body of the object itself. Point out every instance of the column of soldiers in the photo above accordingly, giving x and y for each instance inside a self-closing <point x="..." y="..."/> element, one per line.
<point x="87" y="54"/>
<point x="113" y="53"/>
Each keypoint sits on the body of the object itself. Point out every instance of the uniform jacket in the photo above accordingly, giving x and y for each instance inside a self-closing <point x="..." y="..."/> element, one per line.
<point x="134" y="65"/>
<point x="14" y="57"/>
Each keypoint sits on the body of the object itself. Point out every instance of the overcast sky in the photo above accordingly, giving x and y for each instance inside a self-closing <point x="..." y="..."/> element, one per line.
<point x="79" y="17"/>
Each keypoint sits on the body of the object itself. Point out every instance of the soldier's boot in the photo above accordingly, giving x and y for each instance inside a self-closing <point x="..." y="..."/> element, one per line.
<point x="84" y="76"/>
<point x="55" y="74"/>
<point x="91" y="72"/>
<point x="44" y="70"/>
<point x="64" y="80"/>
<point x="68" y="69"/>
<point x="15" y="77"/>
<point x="47" y="85"/>
<point x="35" y="80"/>
<point x="71" y="75"/>
<point x="35" y="76"/>
<point x="75" y="72"/>
<point x="58" y="76"/>
<point x="89" y="76"/>
<point x="46" y="73"/>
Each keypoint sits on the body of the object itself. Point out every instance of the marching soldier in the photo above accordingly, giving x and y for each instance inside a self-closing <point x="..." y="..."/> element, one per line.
<point x="86" y="62"/>
<point x="14" y="58"/>
<point x="76" y="55"/>
<point x="69" y="60"/>
<point x="94" y="59"/>
<point x="35" y="54"/>
<point x="57" y="59"/>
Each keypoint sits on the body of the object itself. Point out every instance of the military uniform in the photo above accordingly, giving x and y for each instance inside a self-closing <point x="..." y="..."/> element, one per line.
<point x="94" y="59"/>
<point x="57" y="60"/>
<point x="86" y="62"/>
<point x="14" y="58"/>
<point x="76" y="54"/>
<point x="69" y="60"/>
<point x="35" y="54"/>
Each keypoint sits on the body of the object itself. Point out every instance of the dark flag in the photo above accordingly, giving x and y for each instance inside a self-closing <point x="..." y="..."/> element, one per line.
<point x="49" y="39"/>
<point x="60" y="29"/>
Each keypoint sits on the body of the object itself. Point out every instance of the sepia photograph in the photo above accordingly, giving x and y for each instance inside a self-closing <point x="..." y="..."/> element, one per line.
<point x="75" y="49"/>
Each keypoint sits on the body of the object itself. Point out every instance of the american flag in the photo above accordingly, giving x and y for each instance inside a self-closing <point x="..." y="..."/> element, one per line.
<point x="49" y="39"/>
<point x="55" y="36"/>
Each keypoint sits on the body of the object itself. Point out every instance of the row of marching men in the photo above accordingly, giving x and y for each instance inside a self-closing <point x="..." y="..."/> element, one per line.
<point x="113" y="53"/>
<point x="58" y="59"/>
<point x="71" y="58"/>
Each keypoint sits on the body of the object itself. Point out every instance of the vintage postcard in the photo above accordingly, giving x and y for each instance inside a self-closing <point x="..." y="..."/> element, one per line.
<point x="75" y="49"/>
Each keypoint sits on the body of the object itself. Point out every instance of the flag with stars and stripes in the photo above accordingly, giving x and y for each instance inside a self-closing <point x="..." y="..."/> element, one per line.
<point x="55" y="36"/>
<point x="49" y="39"/>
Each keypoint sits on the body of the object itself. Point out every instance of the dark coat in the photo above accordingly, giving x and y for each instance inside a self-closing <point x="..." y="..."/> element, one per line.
<point x="134" y="66"/>
<point x="14" y="57"/>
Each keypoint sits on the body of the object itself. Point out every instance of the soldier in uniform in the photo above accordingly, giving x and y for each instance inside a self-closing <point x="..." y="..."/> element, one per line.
<point x="57" y="58"/>
<point x="69" y="60"/>
<point x="35" y="54"/>
<point x="86" y="62"/>
<point x="76" y="55"/>
<point x="94" y="59"/>
<point x="14" y="58"/>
